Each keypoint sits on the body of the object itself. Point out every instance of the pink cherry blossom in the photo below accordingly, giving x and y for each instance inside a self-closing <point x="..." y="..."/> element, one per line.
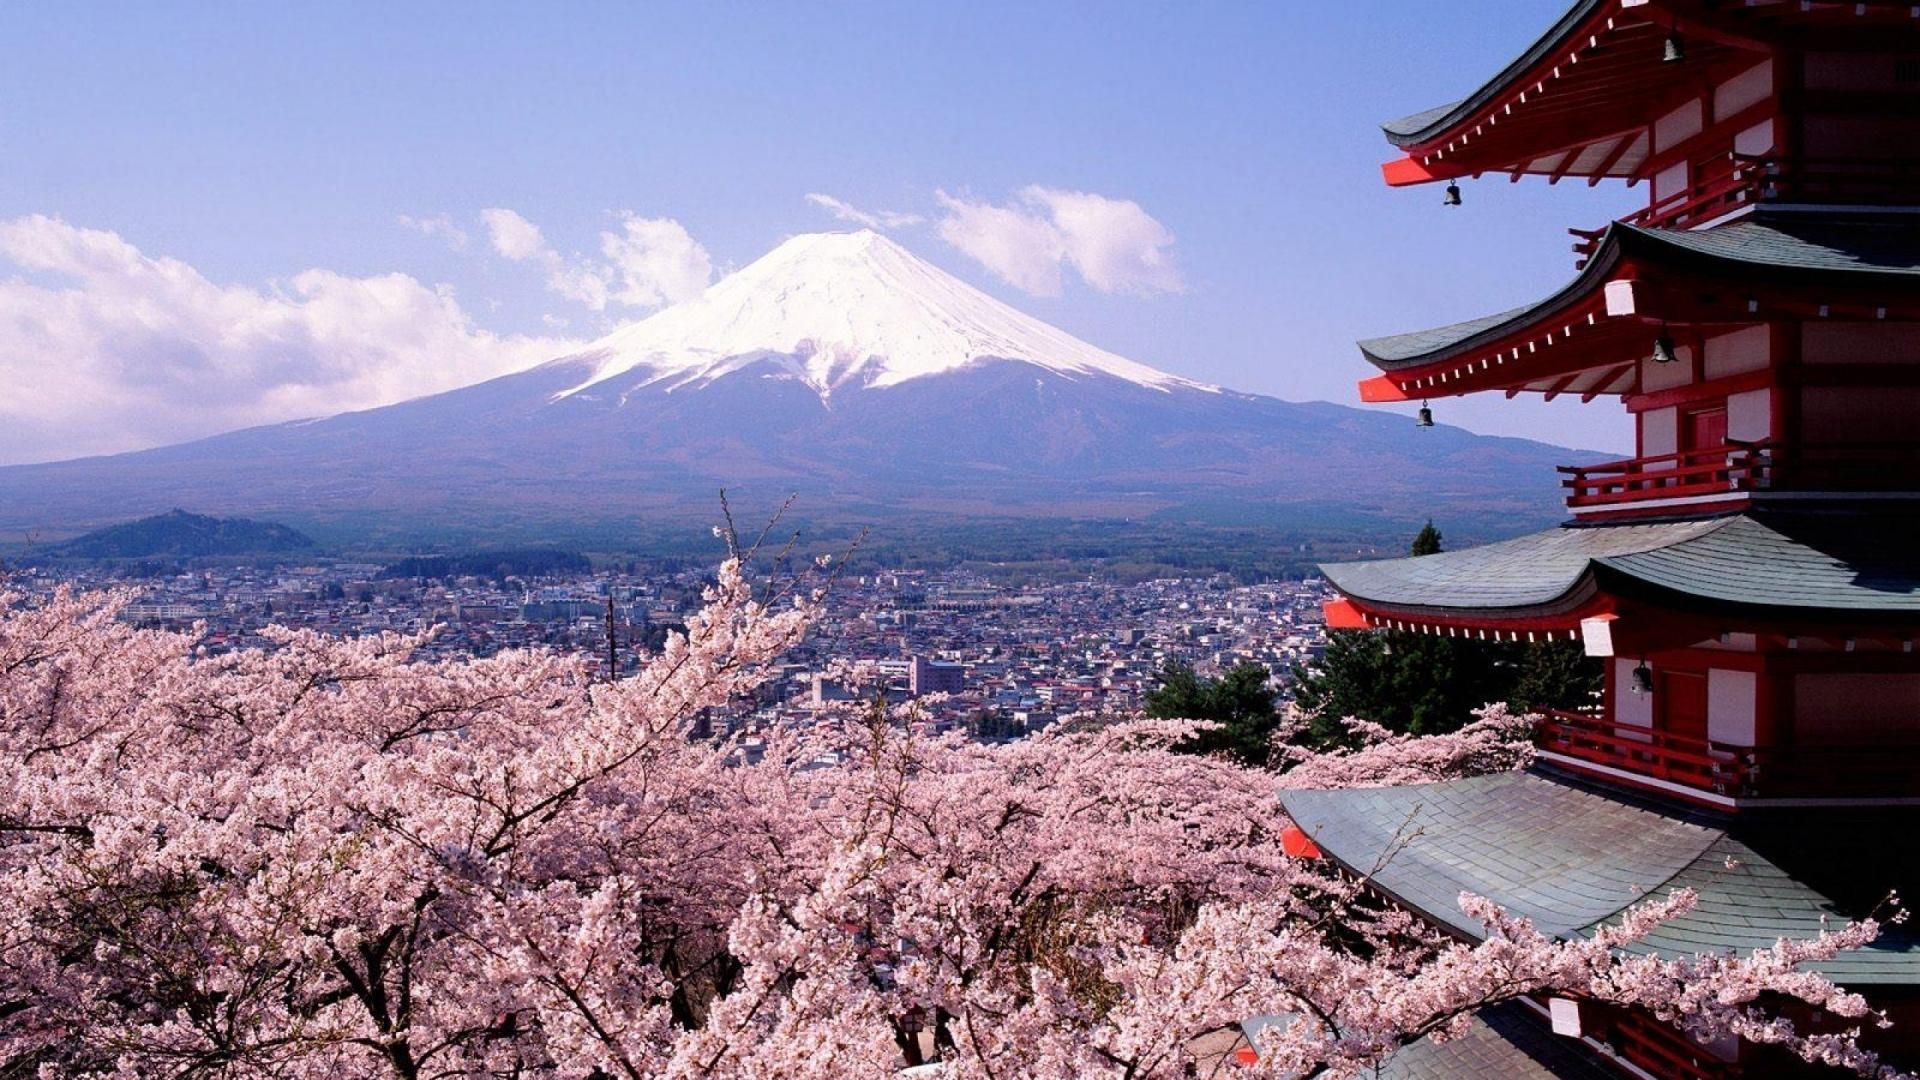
<point x="327" y="858"/>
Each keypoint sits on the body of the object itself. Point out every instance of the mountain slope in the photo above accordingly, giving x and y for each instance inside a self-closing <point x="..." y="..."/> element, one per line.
<point x="843" y="308"/>
<point x="178" y="534"/>
<point x="839" y="367"/>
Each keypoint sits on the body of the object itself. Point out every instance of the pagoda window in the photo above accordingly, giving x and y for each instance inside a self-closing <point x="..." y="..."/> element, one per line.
<point x="1680" y="702"/>
<point x="1704" y="427"/>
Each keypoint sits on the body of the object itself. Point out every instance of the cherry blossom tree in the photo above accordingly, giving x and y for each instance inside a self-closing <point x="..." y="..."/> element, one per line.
<point x="330" y="858"/>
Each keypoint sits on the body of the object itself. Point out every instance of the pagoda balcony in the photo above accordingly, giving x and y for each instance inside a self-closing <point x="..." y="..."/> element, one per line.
<point x="1748" y="180"/>
<point x="1839" y="770"/>
<point x="1738" y="471"/>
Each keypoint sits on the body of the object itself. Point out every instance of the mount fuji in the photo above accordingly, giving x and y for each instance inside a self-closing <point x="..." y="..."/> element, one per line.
<point x="842" y="368"/>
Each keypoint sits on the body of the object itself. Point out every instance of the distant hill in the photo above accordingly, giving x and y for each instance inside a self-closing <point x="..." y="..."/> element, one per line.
<point x="179" y="534"/>
<point x="511" y="562"/>
<point x="874" y="386"/>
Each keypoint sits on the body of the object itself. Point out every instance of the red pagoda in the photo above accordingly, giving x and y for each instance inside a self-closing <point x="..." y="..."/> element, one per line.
<point x="1751" y="577"/>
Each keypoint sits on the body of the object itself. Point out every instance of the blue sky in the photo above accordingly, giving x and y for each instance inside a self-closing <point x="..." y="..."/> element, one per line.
<point x="219" y="152"/>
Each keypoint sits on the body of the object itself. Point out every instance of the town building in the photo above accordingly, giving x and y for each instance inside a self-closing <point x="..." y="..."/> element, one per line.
<point x="936" y="677"/>
<point x="1751" y="576"/>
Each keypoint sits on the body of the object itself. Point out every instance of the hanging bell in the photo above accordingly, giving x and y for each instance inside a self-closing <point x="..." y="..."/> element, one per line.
<point x="1674" y="51"/>
<point x="1453" y="195"/>
<point x="1425" y="419"/>
<point x="1663" y="349"/>
<point x="1643" y="679"/>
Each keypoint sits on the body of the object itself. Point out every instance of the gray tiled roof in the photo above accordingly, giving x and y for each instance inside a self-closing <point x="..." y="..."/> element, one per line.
<point x="1841" y="563"/>
<point x="1400" y="348"/>
<point x="1809" y="562"/>
<point x="1528" y="571"/>
<point x="1563" y="858"/>
<point x="1820" y="242"/>
<point x="1571" y="858"/>
<point x="1503" y="1041"/>
<point x="1409" y="130"/>
<point x="1798" y="244"/>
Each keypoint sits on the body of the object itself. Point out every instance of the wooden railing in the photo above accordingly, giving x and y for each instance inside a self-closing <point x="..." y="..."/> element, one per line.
<point x="1683" y="475"/>
<point x="1694" y="763"/>
<point x="1864" y="770"/>
<point x="1750" y="179"/>
<point x="1663" y="1051"/>
<point x="1744" y="467"/>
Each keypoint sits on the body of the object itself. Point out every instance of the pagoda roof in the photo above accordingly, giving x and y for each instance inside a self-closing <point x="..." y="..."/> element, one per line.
<point x="1572" y="858"/>
<point x="1576" y="102"/>
<point x="1579" y="100"/>
<point x="1499" y="1041"/>
<point x="1429" y="124"/>
<point x="1798" y="249"/>
<point x="1762" y="564"/>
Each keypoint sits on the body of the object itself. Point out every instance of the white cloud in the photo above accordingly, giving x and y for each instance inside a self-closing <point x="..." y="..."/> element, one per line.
<point x="879" y="219"/>
<point x="106" y="348"/>
<point x="652" y="262"/>
<point x="1020" y="247"/>
<point x="1112" y="244"/>
<point x="513" y="236"/>
<point x="440" y="226"/>
<point x="655" y="262"/>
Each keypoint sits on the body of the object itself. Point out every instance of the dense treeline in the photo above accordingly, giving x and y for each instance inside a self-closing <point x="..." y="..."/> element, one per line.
<point x="512" y="562"/>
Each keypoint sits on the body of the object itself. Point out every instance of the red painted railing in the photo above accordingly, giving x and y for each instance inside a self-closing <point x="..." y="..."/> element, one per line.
<point x="1744" y="467"/>
<point x="1687" y="474"/>
<point x="1694" y="763"/>
<point x="1864" y="770"/>
<point x="1661" y="1050"/>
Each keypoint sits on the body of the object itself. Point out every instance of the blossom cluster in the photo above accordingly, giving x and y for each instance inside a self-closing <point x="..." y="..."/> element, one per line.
<point x="330" y="858"/>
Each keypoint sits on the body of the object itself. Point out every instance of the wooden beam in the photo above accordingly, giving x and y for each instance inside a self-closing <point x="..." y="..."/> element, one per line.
<point x="1607" y="379"/>
<point x="1620" y="148"/>
<point x="1560" y="386"/>
<point x="1712" y="388"/>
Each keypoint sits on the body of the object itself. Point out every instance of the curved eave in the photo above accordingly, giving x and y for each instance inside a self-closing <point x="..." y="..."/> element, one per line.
<point x="1559" y="617"/>
<point x="1421" y="348"/>
<point x="1578" y="102"/>
<point x="1571" y="858"/>
<point x="1433" y="124"/>
<point x="1841" y="250"/>
<point x="1848" y="256"/>
<point x="1486" y="353"/>
<point x="1792" y="570"/>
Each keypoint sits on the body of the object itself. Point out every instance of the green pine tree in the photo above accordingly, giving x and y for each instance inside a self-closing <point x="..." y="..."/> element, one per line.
<point x="1241" y="701"/>
<point x="1421" y="684"/>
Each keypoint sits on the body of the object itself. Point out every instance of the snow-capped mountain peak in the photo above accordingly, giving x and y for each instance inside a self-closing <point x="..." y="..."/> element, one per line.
<point x="841" y="308"/>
